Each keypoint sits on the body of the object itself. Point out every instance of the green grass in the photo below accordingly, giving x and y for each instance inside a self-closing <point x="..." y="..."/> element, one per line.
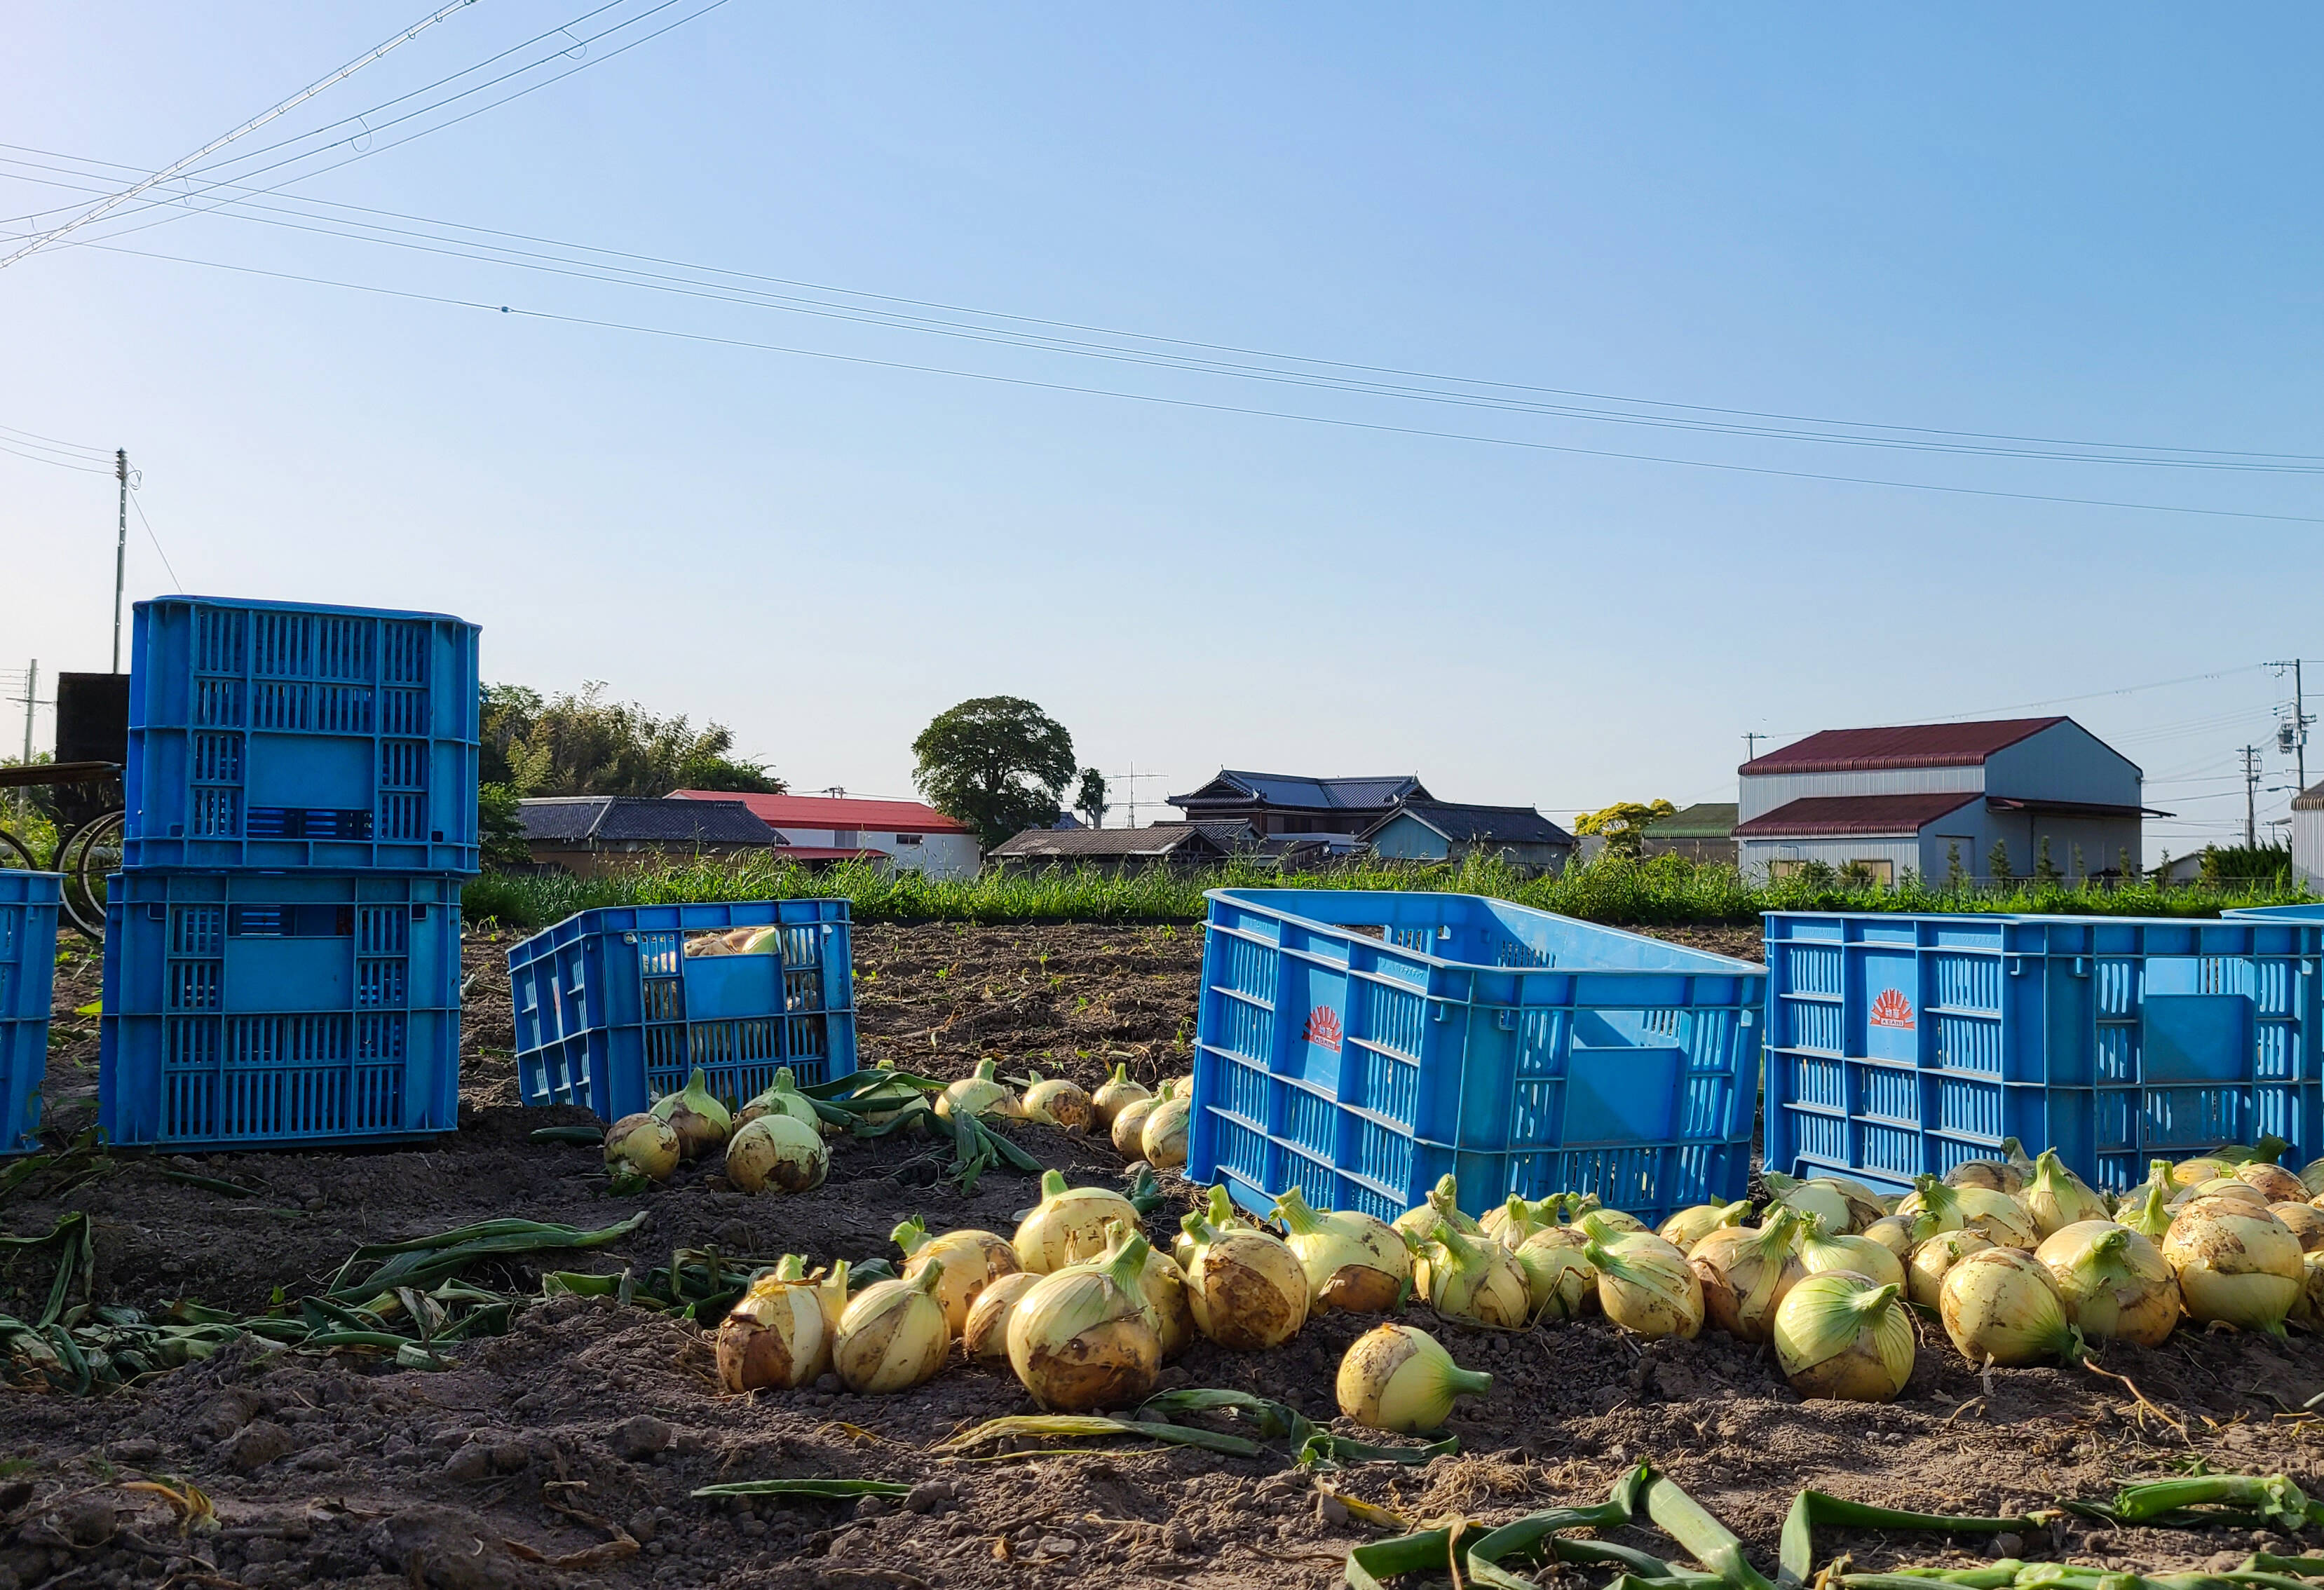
<point x="1665" y="890"/>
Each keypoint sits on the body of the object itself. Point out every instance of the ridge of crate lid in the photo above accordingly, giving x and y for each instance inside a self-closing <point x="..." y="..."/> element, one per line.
<point x="1725" y="966"/>
<point x="399" y="613"/>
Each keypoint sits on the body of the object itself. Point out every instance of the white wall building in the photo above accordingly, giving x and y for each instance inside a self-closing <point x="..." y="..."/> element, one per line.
<point x="1915" y="796"/>
<point x="914" y="838"/>
<point x="2308" y="838"/>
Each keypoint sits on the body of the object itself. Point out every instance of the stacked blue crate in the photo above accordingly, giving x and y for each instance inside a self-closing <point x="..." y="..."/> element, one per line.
<point x="283" y="944"/>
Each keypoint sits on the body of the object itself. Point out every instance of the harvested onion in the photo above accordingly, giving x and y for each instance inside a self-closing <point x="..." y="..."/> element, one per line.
<point x="1893" y="1232"/>
<point x="1745" y="1274"/>
<point x="777" y="1335"/>
<point x="781" y="1097"/>
<point x="1839" y="1336"/>
<point x="1113" y="1093"/>
<point x="1933" y="1258"/>
<point x="973" y="1260"/>
<point x="2002" y="1303"/>
<point x="2146" y="1207"/>
<point x="1473" y="1277"/>
<point x="1932" y="1208"/>
<point x="2055" y="1197"/>
<point x="893" y="1334"/>
<point x="1130" y="1123"/>
<point x="1084" y="1337"/>
<point x="1510" y="1222"/>
<point x="640" y="1148"/>
<point x="2007" y="1174"/>
<point x="2311" y="1176"/>
<point x="1560" y="1284"/>
<point x="778" y="1151"/>
<point x="1399" y="1378"/>
<point x="1069" y="1224"/>
<point x="2236" y="1263"/>
<point x="2305" y="1221"/>
<point x="1162" y="1140"/>
<point x="1057" y="1102"/>
<point x="2002" y="1218"/>
<point x="981" y="1093"/>
<point x="1246" y="1288"/>
<point x="1648" y="1289"/>
<point x="1352" y="1261"/>
<point x="2276" y="1184"/>
<point x="1443" y="1202"/>
<point x="2113" y="1282"/>
<point x="1691" y="1226"/>
<point x="1819" y="1251"/>
<point x="985" y="1336"/>
<point x="702" y="1124"/>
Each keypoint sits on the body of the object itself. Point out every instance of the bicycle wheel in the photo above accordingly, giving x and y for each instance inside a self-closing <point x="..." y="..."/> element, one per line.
<point x="14" y="853"/>
<point x="87" y="856"/>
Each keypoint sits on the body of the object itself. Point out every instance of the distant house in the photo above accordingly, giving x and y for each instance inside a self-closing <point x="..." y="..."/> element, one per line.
<point x="1441" y="830"/>
<point x="1116" y="850"/>
<point x="1920" y="798"/>
<point x="2308" y="838"/>
<point x="1704" y="831"/>
<point x="587" y="835"/>
<point x="1287" y="803"/>
<point x="912" y="838"/>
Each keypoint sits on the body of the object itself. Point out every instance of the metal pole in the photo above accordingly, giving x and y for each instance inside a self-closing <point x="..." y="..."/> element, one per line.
<point x="2299" y="728"/>
<point x="2251" y="796"/>
<point x="120" y="549"/>
<point x="32" y="695"/>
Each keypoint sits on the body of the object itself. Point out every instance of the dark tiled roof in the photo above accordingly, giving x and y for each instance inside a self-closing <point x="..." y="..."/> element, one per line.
<point x="1292" y="790"/>
<point x="1162" y="839"/>
<point x="1924" y="745"/>
<point x="1706" y="819"/>
<point x="1837" y="816"/>
<point x="616" y="818"/>
<point x="2309" y="799"/>
<point x="1478" y="825"/>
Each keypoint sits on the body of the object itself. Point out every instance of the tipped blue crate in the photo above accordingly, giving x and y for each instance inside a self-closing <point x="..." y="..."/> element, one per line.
<point x="1900" y="1045"/>
<point x="2312" y="912"/>
<point x="281" y="735"/>
<point x="256" y="1011"/>
<point x="1360" y="1045"/>
<point x="611" y="1012"/>
<point x="29" y="903"/>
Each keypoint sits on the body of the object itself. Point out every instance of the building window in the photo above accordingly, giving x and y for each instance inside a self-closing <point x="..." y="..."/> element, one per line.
<point x="1783" y="868"/>
<point x="1873" y="870"/>
<point x="907" y="838"/>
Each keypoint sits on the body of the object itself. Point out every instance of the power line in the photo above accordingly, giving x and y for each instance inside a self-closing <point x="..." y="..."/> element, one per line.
<point x="57" y="463"/>
<point x="251" y="125"/>
<point x="1373" y="427"/>
<point x="35" y="438"/>
<point x="174" y="581"/>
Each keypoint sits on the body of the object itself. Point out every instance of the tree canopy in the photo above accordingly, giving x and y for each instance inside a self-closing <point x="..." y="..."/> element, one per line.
<point x="998" y="763"/>
<point x="1624" y="824"/>
<point x="578" y="743"/>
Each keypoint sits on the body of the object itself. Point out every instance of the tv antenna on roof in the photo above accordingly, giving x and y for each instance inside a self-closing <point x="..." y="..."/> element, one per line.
<point x="1129" y="782"/>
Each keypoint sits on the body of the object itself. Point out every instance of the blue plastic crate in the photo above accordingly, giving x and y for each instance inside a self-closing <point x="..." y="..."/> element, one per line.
<point x="28" y="966"/>
<point x="280" y="735"/>
<point x="1901" y="1045"/>
<point x="2274" y="913"/>
<point x="1360" y="1045"/>
<point x="269" y="1010"/>
<point x="611" y="1012"/>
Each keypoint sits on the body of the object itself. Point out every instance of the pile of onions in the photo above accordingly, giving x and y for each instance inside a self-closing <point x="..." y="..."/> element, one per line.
<point x="893" y="1334"/>
<point x="1839" y="1336"/>
<point x="1068" y="1224"/>
<point x="1084" y="1337"/>
<point x="984" y="1337"/>
<point x="778" y="1151"/>
<point x="1399" y="1378"/>
<point x="1933" y="1258"/>
<point x="971" y="1261"/>
<point x="640" y="1148"/>
<point x="1162" y="1140"/>
<point x="701" y="1121"/>
<point x="1646" y="1287"/>
<point x="1473" y="1277"/>
<point x="1560" y="1284"/>
<point x="1112" y="1094"/>
<point x="778" y="1337"/>
<point x="1745" y="1274"/>
<point x="1246" y="1288"/>
<point x="2056" y="1198"/>
<point x="1691" y="1226"/>
<point x="2236" y="1263"/>
<point x="1129" y="1125"/>
<point x="2001" y="1303"/>
<point x="981" y="1093"/>
<point x="1056" y="1102"/>
<point x="2275" y="1183"/>
<point x="1820" y="1251"/>
<point x="2114" y="1283"/>
<point x="1352" y="1261"/>
<point x="2002" y="1218"/>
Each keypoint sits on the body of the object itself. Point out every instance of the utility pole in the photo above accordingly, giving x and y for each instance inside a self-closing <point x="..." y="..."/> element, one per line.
<point x="31" y="698"/>
<point x="1751" y="745"/>
<point x="2251" y="796"/>
<point x="2293" y="736"/>
<point x="120" y="549"/>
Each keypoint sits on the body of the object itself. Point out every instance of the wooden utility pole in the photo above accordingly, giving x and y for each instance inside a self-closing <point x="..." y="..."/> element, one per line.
<point x="2251" y="796"/>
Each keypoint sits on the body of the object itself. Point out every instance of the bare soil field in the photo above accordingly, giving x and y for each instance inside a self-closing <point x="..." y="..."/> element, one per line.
<point x="565" y="1453"/>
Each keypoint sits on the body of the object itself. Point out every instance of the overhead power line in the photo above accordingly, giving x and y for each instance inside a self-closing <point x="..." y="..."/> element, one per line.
<point x="251" y="125"/>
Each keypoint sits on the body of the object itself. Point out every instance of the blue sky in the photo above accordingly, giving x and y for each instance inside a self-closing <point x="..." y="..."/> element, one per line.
<point x="2098" y="225"/>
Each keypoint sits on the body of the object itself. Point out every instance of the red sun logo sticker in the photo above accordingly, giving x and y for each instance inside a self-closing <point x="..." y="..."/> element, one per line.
<point x="1892" y="1009"/>
<point x="1324" y="1029"/>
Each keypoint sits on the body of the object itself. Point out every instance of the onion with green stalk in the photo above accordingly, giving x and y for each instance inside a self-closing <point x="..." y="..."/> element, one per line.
<point x="1352" y="1261"/>
<point x="2115" y="1283"/>
<point x="1691" y="1226"/>
<point x="2238" y="1265"/>
<point x="1399" y="1378"/>
<point x="1820" y="1198"/>
<point x="1473" y="1277"/>
<point x="972" y="1260"/>
<point x="1084" y="1338"/>
<point x="984" y="1336"/>
<point x="1841" y="1336"/>
<point x="2003" y="1175"/>
<point x="1603" y="1225"/>
<point x="1162" y="1140"/>
<point x="2146" y="1207"/>
<point x="1822" y="1250"/>
<point x="1560" y="1284"/>
<point x="780" y="1096"/>
<point x="979" y="1093"/>
<point x="1745" y="1273"/>
<point x="1162" y="1283"/>
<point x="1648" y="1290"/>
<point x="1933" y="1258"/>
<point x="1112" y="1095"/>
<point x="2001" y="1304"/>
<point x="640" y="1148"/>
<point x="1069" y="1224"/>
<point x="1589" y="1214"/>
<point x="1056" y="1102"/>
<point x="1932" y="1207"/>
<point x="2304" y="1221"/>
<point x="2276" y="1184"/>
<point x="893" y="1334"/>
<point x="1511" y="1221"/>
<point x="2189" y="1174"/>
<point x="1218" y="1211"/>
<point x="702" y="1124"/>
<point x="2000" y="1216"/>
<point x="1443" y="1202"/>
<point x="1246" y="1288"/>
<point x="778" y="1153"/>
<point x="1893" y="1232"/>
<point x="2221" y="1187"/>
<point x="2055" y="1197"/>
<point x="776" y="1336"/>
<point x="1130" y="1123"/>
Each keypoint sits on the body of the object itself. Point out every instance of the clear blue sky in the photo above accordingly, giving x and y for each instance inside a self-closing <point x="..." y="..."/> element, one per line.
<point x="2096" y="223"/>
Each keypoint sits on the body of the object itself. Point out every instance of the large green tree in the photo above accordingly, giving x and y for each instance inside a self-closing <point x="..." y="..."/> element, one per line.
<point x="998" y="763"/>
<point x="1624" y="824"/>
<point x="579" y="743"/>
